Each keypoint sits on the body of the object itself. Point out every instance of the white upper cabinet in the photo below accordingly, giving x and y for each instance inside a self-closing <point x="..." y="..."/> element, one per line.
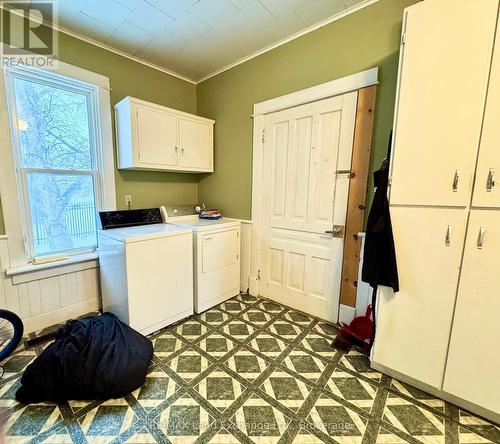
<point x="487" y="185"/>
<point x="445" y="63"/>
<point x="154" y="137"/>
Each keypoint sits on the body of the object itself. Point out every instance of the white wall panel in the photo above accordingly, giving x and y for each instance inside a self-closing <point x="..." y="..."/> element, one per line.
<point x="50" y="300"/>
<point x="35" y="303"/>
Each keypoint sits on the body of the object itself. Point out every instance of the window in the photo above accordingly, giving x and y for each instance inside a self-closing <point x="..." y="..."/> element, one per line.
<point x="57" y="146"/>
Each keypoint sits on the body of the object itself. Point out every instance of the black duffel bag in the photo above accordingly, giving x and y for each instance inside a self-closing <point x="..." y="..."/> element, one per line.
<point x="95" y="357"/>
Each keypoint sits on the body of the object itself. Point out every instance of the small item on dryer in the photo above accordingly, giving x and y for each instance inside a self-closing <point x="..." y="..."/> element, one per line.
<point x="198" y="209"/>
<point x="212" y="214"/>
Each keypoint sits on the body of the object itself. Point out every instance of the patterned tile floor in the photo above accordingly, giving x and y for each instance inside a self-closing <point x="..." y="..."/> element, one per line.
<point x="247" y="371"/>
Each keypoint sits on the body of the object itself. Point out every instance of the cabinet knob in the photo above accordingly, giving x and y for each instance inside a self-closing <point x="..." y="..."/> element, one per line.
<point x="456" y="178"/>
<point x="490" y="182"/>
<point x="480" y="238"/>
<point x="447" y="240"/>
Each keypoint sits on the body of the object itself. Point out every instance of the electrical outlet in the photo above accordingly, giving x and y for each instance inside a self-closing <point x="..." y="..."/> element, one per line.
<point x="128" y="200"/>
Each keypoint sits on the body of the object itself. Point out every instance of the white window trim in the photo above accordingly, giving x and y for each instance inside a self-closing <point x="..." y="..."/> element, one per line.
<point x="12" y="212"/>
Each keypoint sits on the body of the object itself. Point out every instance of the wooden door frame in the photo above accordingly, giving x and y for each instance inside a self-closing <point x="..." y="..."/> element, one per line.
<point x="365" y="83"/>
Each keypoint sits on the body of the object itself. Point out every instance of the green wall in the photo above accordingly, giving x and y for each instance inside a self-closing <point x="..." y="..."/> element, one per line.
<point x="129" y="78"/>
<point x="365" y="39"/>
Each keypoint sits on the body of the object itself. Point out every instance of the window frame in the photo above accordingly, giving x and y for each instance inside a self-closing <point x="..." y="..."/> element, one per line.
<point x="17" y="217"/>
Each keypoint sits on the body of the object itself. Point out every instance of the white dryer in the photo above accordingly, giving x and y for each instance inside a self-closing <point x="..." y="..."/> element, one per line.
<point x="146" y="270"/>
<point x="216" y="253"/>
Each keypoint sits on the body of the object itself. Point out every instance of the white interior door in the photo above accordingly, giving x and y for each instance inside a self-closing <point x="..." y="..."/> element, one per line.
<point x="440" y="111"/>
<point x="157" y="137"/>
<point x="416" y="321"/>
<point x="487" y="184"/>
<point x="303" y="196"/>
<point x="473" y="369"/>
<point x="195" y="142"/>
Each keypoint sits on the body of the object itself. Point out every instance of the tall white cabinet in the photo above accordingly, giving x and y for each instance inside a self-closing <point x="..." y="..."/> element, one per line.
<point x="441" y="332"/>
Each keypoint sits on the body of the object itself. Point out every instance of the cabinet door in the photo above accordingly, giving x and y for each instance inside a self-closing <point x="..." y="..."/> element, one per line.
<point x="473" y="369"/>
<point x="196" y="142"/>
<point x="442" y="89"/>
<point x="156" y="137"/>
<point x="413" y="325"/>
<point x="486" y="192"/>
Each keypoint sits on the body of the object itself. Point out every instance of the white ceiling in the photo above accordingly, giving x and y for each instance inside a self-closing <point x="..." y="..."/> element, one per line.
<point x="195" y="38"/>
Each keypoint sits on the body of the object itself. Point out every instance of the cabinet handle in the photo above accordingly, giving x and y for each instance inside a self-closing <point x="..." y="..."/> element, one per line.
<point x="490" y="182"/>
<point x="456" y="177"/>
<point x="182" y="149"/>
<point x="480" y="238"/>
<point x="447" y="239"/>
<point x="176" y="148"/>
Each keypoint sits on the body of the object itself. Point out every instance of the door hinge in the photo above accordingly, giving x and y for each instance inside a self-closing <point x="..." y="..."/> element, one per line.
<point x="403" y="38"/>
<point x="258" y="275"/>
<point x="263" y="136"/>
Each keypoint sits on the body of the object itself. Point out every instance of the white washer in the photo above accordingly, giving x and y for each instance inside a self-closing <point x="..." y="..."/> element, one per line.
<point x="216" y="252"/>
<point x="147" y="274"/>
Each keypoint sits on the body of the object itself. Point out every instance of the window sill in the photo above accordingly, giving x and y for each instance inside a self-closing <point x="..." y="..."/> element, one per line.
<point x="30" y="272"/>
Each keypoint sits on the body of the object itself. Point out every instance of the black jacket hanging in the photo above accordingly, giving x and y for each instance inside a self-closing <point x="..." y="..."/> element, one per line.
<point x="379" y="263"/>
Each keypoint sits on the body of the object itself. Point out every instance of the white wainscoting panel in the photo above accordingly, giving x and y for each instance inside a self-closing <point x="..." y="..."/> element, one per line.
<point x="45" y="302"/>
<point x="245" y="251"/>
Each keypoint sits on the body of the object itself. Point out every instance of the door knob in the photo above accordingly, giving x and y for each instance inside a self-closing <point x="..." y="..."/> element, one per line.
<point x="336" y="231"/>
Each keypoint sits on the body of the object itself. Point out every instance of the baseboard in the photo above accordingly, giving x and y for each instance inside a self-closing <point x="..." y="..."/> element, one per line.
<point x="346" y="313"/>
<point x="60" y="315"/>
<point x="467" y="405"/>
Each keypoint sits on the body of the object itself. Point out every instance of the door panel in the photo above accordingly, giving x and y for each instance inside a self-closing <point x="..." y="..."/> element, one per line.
<point x="299" y="173"/>
<point x="304" y="147"/>
<point x="473" y="369"/>
<point x="419" y="316"/>
<point x="486" y="192"/>
<point x="156" y="137"/>
<point x="323" y="170"/>
<point x="280" y="159"/>
<point x="196" y="145"/>
<point x="439" y="111"/>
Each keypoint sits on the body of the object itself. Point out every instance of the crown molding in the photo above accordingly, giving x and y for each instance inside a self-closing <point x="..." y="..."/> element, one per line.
<point x="268" y="48"/>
